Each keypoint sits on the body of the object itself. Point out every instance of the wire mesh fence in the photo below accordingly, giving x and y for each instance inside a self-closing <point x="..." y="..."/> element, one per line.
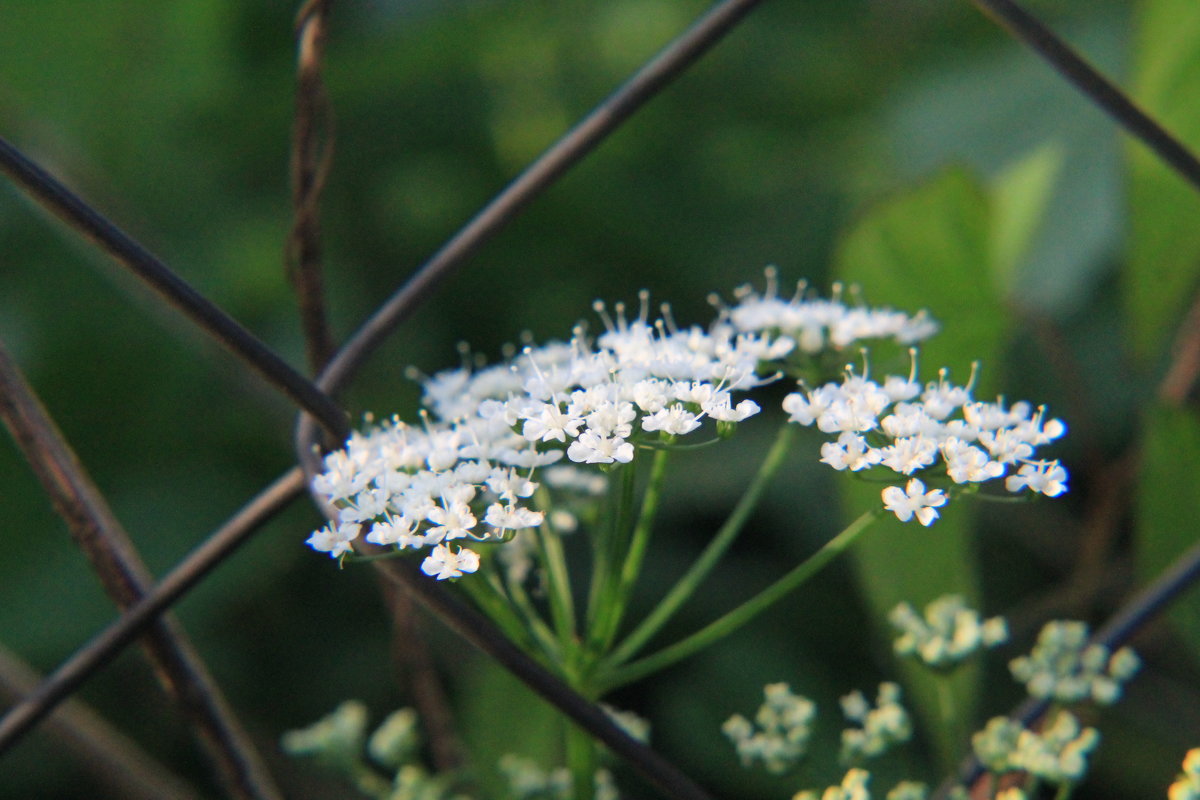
<point x="145" y="603"/>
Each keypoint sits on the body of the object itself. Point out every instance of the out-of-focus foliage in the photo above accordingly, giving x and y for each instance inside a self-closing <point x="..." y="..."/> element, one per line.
<point x="910" y="146"/>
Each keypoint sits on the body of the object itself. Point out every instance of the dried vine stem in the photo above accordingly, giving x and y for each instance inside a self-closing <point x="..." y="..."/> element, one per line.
<point x="312" y="153"/>
<point x="72" y="210"/>
<point x="114" y="760"/>
<point x="57" y="686"/>
<point x="535" y="179"/>
<point x="571" y="148"/>
<point x="125" y="578"/>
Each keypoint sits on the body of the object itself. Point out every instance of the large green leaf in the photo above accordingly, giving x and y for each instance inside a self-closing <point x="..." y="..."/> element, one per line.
<point x="903" y="562"/>
<point x="1020" y="195"/>
<point x="1166" y="514"/>
<point x="1164" y="241"/>
<point x="932" y="247"/>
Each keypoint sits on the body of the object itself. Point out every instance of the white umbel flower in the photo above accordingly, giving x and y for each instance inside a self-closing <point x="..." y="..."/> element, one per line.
<point x="912" y="501"/>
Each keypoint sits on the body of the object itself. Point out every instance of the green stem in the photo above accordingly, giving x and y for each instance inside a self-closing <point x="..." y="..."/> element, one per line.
<point x="609" y="550"/>
<point x="708" y="559"/>
<point x="489" y="599"/>
<point x="581" y="760"/>
<point x="948" y="711"/>
<point x="611" y="678"/>
<point x="539" y="631"/>
<point x="558" y="580"/>
<point x="636" y="554"/>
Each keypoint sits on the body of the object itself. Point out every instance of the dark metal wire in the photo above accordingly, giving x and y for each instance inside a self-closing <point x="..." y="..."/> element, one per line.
<point x="109" y="757"/>
<point x="569" y="150"/>
<point x="1121" y="627"/>
<point x="57" y="686"/>
<point x="117" y="563"/>
<point x="479" y="631"/>
<point x="1088" y="80"/>
<point x="578" y="142"/>
<point x="72" y="210"/>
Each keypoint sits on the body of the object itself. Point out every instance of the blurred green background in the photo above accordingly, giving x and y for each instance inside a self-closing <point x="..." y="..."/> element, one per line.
<point x="790" y="144"/>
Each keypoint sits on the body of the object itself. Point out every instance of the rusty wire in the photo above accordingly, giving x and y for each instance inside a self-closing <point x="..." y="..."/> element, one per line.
<point x="116" y="562"/>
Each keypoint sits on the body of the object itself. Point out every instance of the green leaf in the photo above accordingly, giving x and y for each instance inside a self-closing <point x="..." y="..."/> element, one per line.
<point x="903" y="561"/>
<point x="932" y="247"/>
<point x="498" y="714"/>
<point x="1166" y="515"/>
<point x="1020" y="194"/>
<point x="1164" y="239"/>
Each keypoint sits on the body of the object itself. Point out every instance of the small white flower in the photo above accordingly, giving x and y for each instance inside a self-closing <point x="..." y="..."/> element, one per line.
<point x="335" y="541"/>
<point x="674" y="420"/>
<point x="914" y="500"/>
<point x="445" y="563"/>
<point x="1047" y="477"/>
<point x="592" y="449"/>
<point x="549" y="423"/>
<point x="966" y="463"/>
<point x="722" y="411"/>
<point x="512" y="517"/>
<point x="453" y="521"/>
<point x="909" y="454"/>
<point x="849" y="452"/>
<point x="806" y="407"/>
<point x="395" y="530"/>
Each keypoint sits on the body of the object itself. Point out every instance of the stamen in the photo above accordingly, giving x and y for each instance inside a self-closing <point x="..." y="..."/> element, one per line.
<point x="975" y="365"/>
<point x="772" y="288"/>
<point x="668" y="318"/>
<point x="622" y="324"/>
<point x="602" y="313"/>
<point x="855" y="292"/>
<point x="801" y="290"/>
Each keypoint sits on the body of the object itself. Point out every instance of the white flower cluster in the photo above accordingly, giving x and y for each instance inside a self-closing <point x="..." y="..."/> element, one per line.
<point x="854" y="786"/>
<point x="1187" y="785"/>
<point x="528" y="781"/>
<point x="947" y="633"/>
<point x="878" y="728"/>
<point x="1058" y="754"/>
<point x="467" y="472"/>
<point x="779" y="735"/>
<point x="337" y="737"/>
<point x="1063" y="667"/>
<point x="938" y="431"/>
<point x="818" y="325"/>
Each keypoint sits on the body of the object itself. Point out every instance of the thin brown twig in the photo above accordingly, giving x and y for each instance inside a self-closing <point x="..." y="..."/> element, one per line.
<point x="125" y="578"/>
<point x="56" y="687"/>
<point x="312" y="153"/>
<point x="539" y="176"/>
<point x="414" y="661"/>
<point x="535" y="179"/>
<point x="1182" y="377"/>
<point x="113" y="760"/>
